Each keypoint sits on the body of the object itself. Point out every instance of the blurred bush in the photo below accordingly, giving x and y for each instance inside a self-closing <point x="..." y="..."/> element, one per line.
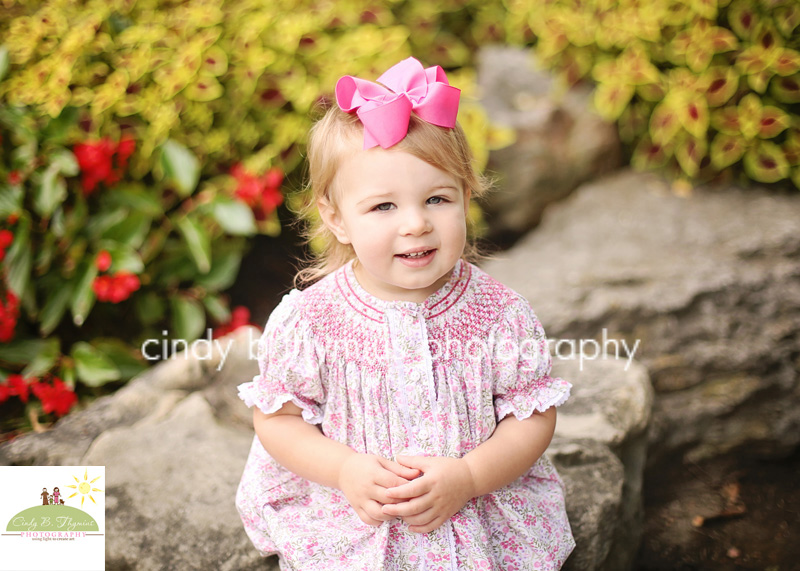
<point x="703" y="89"/>
<point x="143" y="142"/>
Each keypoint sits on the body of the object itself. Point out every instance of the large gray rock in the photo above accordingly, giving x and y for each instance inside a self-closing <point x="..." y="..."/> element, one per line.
<point x="176" y="440"/>
<point x="708" y="285"/>
<point x="561" y="142"/>
<point x="610" y="406"/>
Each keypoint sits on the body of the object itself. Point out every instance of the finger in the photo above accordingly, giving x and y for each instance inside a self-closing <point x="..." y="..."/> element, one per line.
<point x="373" y="511"/>
<point x="410" y="490"/>
<point x="407" y="509"/>
<point x="414" y="462"/>
<point x="399" y="470"/>
<point x="427" y="528"/>
<point x="388" y="479"/>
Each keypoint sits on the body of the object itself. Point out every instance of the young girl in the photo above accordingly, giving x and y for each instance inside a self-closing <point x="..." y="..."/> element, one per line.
<point x="404" y="401"/>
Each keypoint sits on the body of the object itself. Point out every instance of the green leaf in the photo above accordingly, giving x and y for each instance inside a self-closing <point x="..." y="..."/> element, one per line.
<point x="21" y="351"/>
<point x="44" y="359"/>
<point x="132" y="231"/>
<point x="83" y="298"/>
<point x="235" y="217"/>
<point x="99" y="223"/>
<point x="92" y="366"/>
<point x="181" y="166"/>
<point x="65" y="163"/>
<point x="217" y="309"/>
<point x="150" y="308"/>
<point x="127" y="360"/>
<point x="10" y="200"/>
<point x="198" y="242"/>
<point x="223" y="271"/>
<point x="54" y="308"/>
<point x="58" y="129"/>
<point x="4" y="62"/>
<point x="188" y="318"/>
<point x="50" y="193"/>
<point x="19" y="258"/>
<point x="135" y="200"/>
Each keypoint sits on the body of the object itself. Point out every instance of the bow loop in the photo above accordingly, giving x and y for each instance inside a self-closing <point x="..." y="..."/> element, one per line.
<point x="386" y="111"/>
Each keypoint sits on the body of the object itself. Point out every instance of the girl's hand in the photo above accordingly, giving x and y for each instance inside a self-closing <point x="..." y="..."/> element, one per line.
<point x="445" y="486"/>
<point x="364" y="478"/>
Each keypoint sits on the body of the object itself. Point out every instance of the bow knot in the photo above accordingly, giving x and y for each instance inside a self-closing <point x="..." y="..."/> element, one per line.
<point x="386" y="111"/>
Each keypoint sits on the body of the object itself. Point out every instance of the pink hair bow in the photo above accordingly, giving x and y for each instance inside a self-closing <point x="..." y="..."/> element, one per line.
<point x="385" y="113"/>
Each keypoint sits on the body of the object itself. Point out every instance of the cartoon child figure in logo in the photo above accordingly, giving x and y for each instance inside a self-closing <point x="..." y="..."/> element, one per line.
<point x="56" y="494"/>
<point x="44" y="496"/>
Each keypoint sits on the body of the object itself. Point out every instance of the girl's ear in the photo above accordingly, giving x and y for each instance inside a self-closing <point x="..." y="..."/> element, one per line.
<point x="333" y="220"/>
<point x="467" y="195"/>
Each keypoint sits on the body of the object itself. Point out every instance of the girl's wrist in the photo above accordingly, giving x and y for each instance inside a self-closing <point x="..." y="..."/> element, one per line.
<point x="470" y="472"/>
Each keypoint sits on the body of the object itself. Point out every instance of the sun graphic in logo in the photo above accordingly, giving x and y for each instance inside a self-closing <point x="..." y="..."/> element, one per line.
<point x="84" y="488"/>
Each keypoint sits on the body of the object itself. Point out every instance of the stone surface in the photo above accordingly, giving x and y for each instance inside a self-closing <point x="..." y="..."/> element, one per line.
<point x="176" y="440"/>
<point x="560" y="144"/>
<point x="709" y="287"/>
<point x="611" y="404"/>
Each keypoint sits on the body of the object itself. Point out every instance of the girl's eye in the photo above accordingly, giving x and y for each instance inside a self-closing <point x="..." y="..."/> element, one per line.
<point x="437" y="200"/>
<point x="384" y="206"/>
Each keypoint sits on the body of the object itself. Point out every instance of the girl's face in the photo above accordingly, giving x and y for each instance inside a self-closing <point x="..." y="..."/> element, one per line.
<point x="405" y="219"/>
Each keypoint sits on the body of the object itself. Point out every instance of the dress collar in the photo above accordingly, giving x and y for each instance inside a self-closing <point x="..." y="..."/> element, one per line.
<point x="373" y="307"/>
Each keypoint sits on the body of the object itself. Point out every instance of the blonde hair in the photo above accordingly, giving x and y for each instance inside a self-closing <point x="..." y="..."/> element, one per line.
<point x="338" y="134"/>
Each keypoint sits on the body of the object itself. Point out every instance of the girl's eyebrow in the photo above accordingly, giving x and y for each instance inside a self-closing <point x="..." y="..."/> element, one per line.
<point x="383" y="197"/>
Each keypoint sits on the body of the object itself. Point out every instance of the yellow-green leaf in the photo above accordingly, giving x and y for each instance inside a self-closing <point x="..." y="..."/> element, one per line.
<point x="610" y="99"/>
<point x="766" y="163"/>
<point x="786" y="89"/>
<point x="726" y="150"/>
<point x="690" y="153"/>
<point x="773" y="122"/>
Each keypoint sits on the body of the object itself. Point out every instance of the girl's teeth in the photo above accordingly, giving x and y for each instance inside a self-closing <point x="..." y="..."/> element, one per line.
<point x="417" y="254"/>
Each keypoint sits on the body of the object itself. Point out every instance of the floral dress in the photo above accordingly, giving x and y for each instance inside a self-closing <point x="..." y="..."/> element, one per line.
<point x="398" y="377"/>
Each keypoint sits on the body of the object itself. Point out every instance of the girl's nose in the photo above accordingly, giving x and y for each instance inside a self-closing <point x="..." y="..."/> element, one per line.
<point x="415" y="223"/>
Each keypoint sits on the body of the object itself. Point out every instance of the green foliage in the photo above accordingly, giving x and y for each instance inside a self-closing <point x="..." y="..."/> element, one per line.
<point x="144" y="142"/>
<point x="701" y="88"/>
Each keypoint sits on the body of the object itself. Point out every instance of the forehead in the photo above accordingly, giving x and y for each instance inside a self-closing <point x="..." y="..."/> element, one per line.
<point x="381" y="170"/>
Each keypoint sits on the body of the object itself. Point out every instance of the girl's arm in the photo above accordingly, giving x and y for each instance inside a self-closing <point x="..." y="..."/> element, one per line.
<point x="301" y="448"/>
<point x="447" y="484"/>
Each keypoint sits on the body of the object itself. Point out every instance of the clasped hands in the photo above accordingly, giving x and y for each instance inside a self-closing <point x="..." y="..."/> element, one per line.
<point x="424" y="491"/>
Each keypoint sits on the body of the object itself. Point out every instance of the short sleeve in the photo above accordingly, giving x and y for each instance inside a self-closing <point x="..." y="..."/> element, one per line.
<point x="288" y="366"/>
<point x="521" y="365"/>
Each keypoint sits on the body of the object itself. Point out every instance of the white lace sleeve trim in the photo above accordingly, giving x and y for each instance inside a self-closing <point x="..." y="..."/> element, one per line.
<point x="521" y="407"/>
<point x="269" y="404"/>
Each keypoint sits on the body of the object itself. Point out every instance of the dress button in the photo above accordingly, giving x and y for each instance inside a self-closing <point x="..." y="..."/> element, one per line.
<point x="414" y="375"/>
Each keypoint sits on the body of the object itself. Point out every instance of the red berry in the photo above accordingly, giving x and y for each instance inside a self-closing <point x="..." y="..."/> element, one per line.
<point x="103" y="261"/>
<point x="6" y="237"/>
<point x="14" y="178"/>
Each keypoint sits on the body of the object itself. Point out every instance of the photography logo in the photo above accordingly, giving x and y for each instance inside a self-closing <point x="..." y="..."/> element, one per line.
<point x="53" y="518"/>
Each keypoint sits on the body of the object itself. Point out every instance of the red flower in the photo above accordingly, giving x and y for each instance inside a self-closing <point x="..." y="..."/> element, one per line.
<point x="116" y="288"/>
<point x="6" y="237"/>
<point x="262" y="194"/>
<point x="58" y="397"/>
<point x="14" y="178"/>
<point x="103" y="261"/>
<point x="9" y="313"/>
<point x="96" y="161"/>
<point x="240" y="316"/>
<point x="15" y="386"/>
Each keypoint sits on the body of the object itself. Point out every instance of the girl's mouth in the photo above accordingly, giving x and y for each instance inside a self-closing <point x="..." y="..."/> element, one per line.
<point x="416" y="255"/>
